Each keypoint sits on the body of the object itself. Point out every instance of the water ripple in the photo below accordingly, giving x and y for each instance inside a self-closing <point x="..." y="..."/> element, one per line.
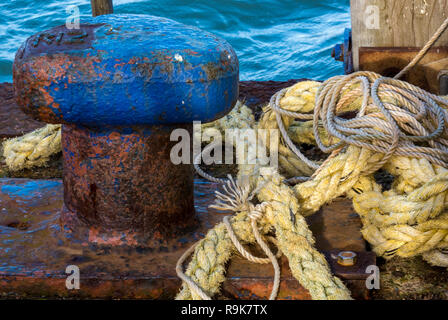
<point x="274" y="39"/>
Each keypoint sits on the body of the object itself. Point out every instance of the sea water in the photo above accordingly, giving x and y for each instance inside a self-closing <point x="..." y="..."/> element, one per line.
<point x="274" y="39"/>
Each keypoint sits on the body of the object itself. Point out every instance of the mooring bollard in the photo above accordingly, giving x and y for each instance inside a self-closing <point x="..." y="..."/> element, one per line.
<point x="120" y="85"/>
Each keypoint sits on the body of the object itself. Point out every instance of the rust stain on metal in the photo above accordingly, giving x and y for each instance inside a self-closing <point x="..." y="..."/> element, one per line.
<point x="357" y="271"/>
<point x="215" y="71"/>
<point x="337" y="223"/>
<point x="115" y="262"/>
<point x="58" y="39"/>
<point x="389" y="61"/>
<point x="13" y="122"/>
<point x="34" y="72"/>
<point x="37" y="257"/>
<point x="118" y="181"/>
<point x="33" y="79"/>
<point x="260" y="289"/>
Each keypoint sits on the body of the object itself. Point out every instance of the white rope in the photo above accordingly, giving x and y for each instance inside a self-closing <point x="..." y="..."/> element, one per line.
<point x="191" y="284"/>
<point x="255" y="214"/>
<point x="424" y="50"/>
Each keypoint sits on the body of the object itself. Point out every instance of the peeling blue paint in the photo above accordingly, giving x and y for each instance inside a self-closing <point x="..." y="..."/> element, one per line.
<point x="29" y="189"/>
<point x="144" y="70"/>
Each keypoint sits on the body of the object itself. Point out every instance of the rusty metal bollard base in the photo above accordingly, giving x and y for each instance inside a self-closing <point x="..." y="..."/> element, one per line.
<point x="35" y="251"/>
<point x="121" y="180"/>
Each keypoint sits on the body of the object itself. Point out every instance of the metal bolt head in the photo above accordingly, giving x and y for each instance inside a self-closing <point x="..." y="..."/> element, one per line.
<point x="443" y="82"/>
<point x="347" y="258"/>
<point x="338" y="52"/>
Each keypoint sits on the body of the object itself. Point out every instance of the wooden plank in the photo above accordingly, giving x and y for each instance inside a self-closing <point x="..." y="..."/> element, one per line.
<point x="400" y="23"/>
<point x="100" y="7"/>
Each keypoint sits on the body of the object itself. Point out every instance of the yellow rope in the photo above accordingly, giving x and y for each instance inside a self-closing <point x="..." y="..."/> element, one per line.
<point x="395" y="221"/>
<point x="32" y="149"/>
<point x="295" y="241"/>
<point x="398" y="127"/>
<point x="408" y="220"/>
<point x="294" y="238"/>
<point x="35" y="148"/>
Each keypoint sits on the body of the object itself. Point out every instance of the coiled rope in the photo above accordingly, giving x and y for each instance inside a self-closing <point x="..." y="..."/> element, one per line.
<point x="404" y="117"/>
<point x="397" y="126"/>
<point x="424" y="50"/>
<point x="394" y="121"/>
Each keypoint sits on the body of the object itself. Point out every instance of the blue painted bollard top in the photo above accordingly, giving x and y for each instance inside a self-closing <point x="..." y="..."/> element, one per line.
<point x="126" y="70"/>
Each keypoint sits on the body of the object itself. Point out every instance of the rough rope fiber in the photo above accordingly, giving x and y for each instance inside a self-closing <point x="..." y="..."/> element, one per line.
<point x="32" y="149"/>
<point x="398" y="127"/>
<point x="393" y="119"/>
<point x="424" y="50"/>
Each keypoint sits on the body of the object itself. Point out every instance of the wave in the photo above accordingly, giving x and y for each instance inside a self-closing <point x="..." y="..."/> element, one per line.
<point x="274" y="39"/>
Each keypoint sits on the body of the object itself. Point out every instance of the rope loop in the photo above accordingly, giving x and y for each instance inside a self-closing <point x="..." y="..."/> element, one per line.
<point x="256" y="212"/>
<point x="393" y="117"/>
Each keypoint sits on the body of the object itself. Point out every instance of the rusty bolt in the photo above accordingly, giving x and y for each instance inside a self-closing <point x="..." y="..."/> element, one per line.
<point x="119" y="95"/>
<point x="346" y="258"/>
<point x="443" y="82"/>
<point x="338" y="52"/>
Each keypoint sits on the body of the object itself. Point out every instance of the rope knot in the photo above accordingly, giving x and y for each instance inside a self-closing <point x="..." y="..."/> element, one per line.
<point x="257" y="211"/>
<point x="393" y="117"/>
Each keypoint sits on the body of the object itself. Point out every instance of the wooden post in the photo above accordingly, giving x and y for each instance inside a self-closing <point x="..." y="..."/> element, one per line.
<point x="100" y="7"/>
<point x="396" y="23"/>
<point x="391" y="32"/>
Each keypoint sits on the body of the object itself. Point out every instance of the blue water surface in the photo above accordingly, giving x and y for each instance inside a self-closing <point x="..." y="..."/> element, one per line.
<point x="274" y="39"/>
